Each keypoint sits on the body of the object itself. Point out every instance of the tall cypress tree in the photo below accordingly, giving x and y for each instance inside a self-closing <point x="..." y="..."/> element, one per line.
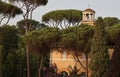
<point x="99" y="52"/>
<point x="114" y="70"/>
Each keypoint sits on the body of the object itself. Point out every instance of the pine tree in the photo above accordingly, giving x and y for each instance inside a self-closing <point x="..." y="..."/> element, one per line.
<point x="99" y="52"/>
<point x="114" y="70"/>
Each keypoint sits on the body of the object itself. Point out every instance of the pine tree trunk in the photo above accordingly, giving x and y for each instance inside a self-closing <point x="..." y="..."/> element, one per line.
<point x="76" y="58"/>
<point x="27" y="51"/>
<point x="114" y="70"/>
<point x="86" y="64"/>
<point x="40" y="67"/>
<point x="27" y="57"/>
<point x="1" y="61"/>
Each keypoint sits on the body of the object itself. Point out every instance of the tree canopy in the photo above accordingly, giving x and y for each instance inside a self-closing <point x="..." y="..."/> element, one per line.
<point x="8" y="45"/>
<point x="7" y="11"/>
<point x="110" y="21"/>
<point x="63" y="18"/>
<point x="8" y="39"/>
<point x="34" y="2"/>
<point x="45" y="38"/>
<point x="74" y="38"/>
<point x="28" y="6"/>
<point x="112" y="33"/>
<point x="32" y="25"/>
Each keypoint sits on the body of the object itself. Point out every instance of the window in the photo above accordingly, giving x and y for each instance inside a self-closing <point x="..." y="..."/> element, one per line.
<point x="87" y="15"/>
<point x="83" y="56"/>
<point x="63" y="55"/>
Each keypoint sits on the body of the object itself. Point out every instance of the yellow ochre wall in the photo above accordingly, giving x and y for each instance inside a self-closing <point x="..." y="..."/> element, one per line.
<point x="63" y="64"/>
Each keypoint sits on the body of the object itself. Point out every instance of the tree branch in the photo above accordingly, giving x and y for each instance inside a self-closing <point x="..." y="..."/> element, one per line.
<point x="78" y="60"/>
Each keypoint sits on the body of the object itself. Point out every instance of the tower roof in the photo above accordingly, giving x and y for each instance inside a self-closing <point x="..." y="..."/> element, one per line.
<point x="89" y="10"/>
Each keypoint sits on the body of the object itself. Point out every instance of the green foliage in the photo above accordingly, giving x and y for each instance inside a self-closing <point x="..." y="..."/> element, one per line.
<point x="8" y="39"/>
<point x="112" y="33"/>
<point x="8" y="9"/>
<point x="9" y="43"/>
<point x="63" y="18"/>
<point x="21" y="56"/>
<point x="32" y="25"/>
<point x="99" y="52"/>
<point x="73" y="71"/>
<point x="68" y="39"/>
<point x="10" y="65"/>
<point x="34" y="2"/>
<point x="15" y="64"/>
<point x="42" y="40"/>
<point x="85" y="34"/>
<point x="76" y="38"/>
<point x="110" y="21"/>
<point x="59" y="15"/>
<point x="114" y="63"/>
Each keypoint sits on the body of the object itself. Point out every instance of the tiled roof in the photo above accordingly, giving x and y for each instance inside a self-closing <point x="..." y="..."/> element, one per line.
<point x="89" y="10"/>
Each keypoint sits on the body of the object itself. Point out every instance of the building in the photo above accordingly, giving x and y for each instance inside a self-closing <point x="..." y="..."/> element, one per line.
<point x="64" y="59"/>
<point x="88" y="16"/>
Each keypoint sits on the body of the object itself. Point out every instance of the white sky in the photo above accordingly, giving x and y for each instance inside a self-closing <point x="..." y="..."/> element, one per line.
<point x="103" y="8"/>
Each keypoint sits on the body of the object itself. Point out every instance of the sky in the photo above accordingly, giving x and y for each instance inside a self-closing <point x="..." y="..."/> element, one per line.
<point x="103" y="8"/>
